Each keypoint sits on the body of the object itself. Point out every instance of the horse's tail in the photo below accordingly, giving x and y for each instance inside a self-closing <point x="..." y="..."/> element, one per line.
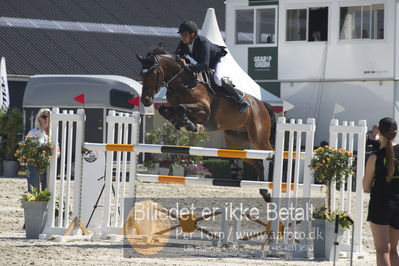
<point x="273" y="121"/>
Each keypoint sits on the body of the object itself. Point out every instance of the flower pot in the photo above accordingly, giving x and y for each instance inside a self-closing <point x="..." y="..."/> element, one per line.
<point x="10" y="168"/>
<point x="178" y="170"/>
<point x="163" y="171"/>
<point x="35" y="213"/>
<point x="154" y="170"/>
<point x="324" y="242"/>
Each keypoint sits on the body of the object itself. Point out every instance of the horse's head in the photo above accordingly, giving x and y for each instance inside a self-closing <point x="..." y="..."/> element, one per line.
<point x="152" y="77"/>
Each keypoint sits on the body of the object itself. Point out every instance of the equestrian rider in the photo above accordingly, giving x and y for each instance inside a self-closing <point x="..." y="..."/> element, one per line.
<point x="207" y="55"/>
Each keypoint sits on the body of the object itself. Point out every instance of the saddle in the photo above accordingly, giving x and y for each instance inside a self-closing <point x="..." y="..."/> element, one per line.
<point x="205" y="77"/>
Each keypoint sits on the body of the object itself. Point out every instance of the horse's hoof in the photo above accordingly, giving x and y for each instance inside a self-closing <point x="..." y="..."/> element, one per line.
<point x="200" y="128"/>
<point x="191" y="127"/>
<point x="266" y="195"/>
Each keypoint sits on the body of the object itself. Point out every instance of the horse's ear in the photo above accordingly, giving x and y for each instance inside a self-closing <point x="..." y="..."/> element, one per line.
<point x="140" y="58"/>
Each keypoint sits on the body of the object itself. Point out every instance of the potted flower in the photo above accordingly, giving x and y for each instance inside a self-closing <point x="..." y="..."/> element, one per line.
<point x="329" y="165"/>
<point x="35" y="203"/>
<point x="168" y="135"/>
<point x="179" y="163"/>
<point x="164" y="166"/>
<point x="151" y="162"/>
<point x="35" y="207"/>
<point x="198" y="169"/>
<point x="10" y="126"/>
<point x="36" y="154"/>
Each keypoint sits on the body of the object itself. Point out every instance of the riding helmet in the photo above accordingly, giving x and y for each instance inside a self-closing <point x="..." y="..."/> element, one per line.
<point x="189" y="26"/>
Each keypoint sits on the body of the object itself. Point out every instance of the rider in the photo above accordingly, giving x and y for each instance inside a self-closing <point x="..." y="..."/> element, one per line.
<point x="207" y="55"/>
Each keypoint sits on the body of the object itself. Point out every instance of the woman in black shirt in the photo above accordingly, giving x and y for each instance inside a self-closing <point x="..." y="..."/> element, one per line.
<point x="382" y="180"/>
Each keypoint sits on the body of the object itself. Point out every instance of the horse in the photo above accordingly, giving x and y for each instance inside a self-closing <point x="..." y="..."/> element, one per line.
<point x="194" y="106"/>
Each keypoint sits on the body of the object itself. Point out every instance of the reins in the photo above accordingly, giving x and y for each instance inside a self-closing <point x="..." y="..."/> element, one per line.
<point x="169" y="81"/>
<point x="165" y="84"/>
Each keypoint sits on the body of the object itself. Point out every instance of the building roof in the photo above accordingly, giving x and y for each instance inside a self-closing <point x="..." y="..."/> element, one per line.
<point x="91" y="37"/>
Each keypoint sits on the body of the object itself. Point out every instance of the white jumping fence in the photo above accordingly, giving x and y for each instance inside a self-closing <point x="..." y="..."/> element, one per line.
<point x="122" y="142"/>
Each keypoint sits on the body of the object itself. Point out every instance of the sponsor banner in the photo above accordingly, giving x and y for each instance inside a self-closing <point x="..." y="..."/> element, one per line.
<point x="262" y="63"/>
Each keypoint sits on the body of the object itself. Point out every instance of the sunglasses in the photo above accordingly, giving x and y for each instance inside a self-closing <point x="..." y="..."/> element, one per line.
<point x="44" y="116"/>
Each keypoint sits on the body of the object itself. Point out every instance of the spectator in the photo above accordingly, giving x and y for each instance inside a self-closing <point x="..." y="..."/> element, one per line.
<point x="381" y="178"/>
<point x="323" y="143"/>
<point x="316" y="36"/>
<point x="372" y="142"/>
<point x="41" y="130"/>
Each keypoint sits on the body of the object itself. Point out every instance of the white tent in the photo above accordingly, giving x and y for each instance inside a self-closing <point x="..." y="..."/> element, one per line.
<point x="241" y="80"/>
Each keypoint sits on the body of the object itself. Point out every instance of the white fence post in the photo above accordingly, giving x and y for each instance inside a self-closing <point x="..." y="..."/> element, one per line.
<point x="345" y="202"/>
<point x="108" y="171"/>
<point x="307" y="174"/>
<point x="278" y="169"/>
<point x="78" y="163"/>
<point x="333" y="142"/>
<point x="53" y="168"/>
<point x="63" y="188"/>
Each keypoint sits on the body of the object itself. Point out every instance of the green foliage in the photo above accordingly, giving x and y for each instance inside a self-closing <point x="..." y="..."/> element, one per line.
<point x="219" y="168"/>
<point x="34" y="153"/>
<point x="58" y="207"/>
<point x="330" y="164"/>
<point x="323" y="214"/>
<point x="11" y="124"/>
<point x="36" y="195"/>
<point x="169" y="135"/>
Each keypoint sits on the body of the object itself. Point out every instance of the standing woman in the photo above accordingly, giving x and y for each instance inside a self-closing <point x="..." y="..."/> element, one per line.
<point x="382" y="180"/>
<point x="41" y="130"/>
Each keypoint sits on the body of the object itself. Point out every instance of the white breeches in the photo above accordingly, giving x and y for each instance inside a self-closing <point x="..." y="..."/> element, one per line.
<point x="221" y="69"/>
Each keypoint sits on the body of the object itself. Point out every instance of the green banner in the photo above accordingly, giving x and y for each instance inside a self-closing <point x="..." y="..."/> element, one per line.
<point x="262" y="63"/>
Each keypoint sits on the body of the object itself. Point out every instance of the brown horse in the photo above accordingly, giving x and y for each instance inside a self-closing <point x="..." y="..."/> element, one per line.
<point x="193" y="106"/>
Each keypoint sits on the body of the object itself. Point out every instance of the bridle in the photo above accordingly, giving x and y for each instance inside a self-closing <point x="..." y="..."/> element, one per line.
<point x="156" y="66"/>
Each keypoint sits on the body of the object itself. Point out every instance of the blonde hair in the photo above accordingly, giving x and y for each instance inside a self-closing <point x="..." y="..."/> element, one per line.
<point x="39" y="114"/>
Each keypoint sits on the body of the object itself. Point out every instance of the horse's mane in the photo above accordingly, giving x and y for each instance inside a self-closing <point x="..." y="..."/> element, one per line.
<point x="159" y="49"/>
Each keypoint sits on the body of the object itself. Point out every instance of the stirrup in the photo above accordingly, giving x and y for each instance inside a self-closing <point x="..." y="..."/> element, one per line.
<point x="244" y="106"/>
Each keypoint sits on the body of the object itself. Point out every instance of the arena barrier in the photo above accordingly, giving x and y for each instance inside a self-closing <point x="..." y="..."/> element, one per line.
<point x="120" y="157"/>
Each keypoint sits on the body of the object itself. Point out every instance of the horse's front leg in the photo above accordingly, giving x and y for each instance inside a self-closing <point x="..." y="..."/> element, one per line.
<point x="193" y="115"/>
<point x="181" y="112"/>
<point x="170" y="114"/>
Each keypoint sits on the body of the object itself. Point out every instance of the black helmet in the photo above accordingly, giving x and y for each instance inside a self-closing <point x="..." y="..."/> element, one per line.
<point x="189" y="26"/>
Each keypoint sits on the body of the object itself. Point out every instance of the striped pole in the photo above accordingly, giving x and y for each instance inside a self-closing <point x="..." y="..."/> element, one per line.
<point x="199" y="151"/>
<point x="216" y="182"/>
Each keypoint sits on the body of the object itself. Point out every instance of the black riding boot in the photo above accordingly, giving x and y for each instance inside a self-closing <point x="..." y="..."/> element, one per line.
<point x="230" y="91"/>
